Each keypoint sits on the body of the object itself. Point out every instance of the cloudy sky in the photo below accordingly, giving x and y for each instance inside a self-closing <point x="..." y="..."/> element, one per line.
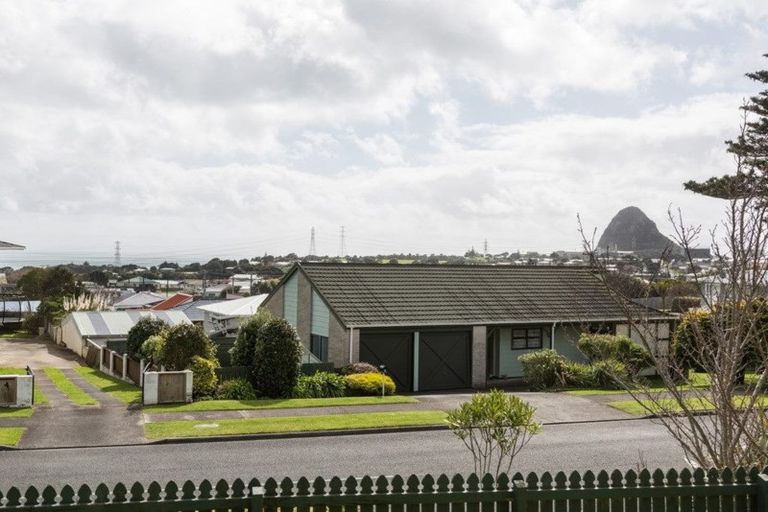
<point x="189" y="129"/>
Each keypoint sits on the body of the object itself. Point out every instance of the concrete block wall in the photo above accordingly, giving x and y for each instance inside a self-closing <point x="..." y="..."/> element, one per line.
<point x="24" y="390"/>
<point x="151" y="386"/>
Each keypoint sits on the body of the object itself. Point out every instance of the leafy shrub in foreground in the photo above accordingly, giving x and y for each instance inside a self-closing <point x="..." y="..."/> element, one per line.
<point x="236" y="389"/>
<point x="182" y="343"/>
<point x="276" y="358"/>
<point x="369" y="384"/>
<point x="203" y="376"/>
<point x="143" y="329"/>
<point x="242" y="351"/>
<point x="320" y="385"/>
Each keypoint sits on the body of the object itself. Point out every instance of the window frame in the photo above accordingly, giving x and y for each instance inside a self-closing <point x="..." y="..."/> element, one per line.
<point x="531" y="341"/>
<point x="323" y="341"/>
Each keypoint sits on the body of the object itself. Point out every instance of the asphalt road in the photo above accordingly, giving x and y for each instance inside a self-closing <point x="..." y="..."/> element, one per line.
<point x="608" y="445"/>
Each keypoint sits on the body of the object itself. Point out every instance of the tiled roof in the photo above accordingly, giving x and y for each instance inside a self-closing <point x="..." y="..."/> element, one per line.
<point x="412" y="295"/>
<point x="173" y="301"/>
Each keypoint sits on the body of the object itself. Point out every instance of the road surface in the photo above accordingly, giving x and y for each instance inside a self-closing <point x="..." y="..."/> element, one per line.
<point x="604" y="445"/>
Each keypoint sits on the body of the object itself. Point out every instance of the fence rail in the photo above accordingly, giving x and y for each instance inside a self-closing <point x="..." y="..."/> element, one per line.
<point x="699" y="490"/>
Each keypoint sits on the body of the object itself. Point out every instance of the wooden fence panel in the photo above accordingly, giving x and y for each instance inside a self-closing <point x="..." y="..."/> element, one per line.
<point x="134" y="371"/>
<point x="171" y="388"/>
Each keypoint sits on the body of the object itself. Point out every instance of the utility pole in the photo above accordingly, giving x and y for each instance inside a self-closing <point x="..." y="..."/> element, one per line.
<point x="117" y="253"/>
<point x="312" y="249"/>
<point x="485" y="247"/>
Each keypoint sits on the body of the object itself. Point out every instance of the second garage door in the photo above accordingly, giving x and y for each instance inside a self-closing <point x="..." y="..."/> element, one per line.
<point x="445" y="360"/>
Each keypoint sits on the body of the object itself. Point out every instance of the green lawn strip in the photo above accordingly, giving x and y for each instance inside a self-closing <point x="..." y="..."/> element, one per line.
<point x="16" y="412"/>
<point x="697" y="404"/>
<point x="121" y="390"/>
<point x="288" y="403"/>
<point x="40" y="398"/>
<point x="196" y="428"/>
<point x="10" y="436"/>
<point x="696" y="380"/>
<point x="77" y="395"/>
<point x="16" y="335"/>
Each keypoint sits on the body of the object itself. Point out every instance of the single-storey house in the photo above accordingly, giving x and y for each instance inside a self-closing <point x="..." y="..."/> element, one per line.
<point x="449" y="326"/>
<point x="100" y="326"/>
<point x="224" y="317"/>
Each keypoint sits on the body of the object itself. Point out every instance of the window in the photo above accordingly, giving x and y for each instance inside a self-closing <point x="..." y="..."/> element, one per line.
<point x="527" y="338"/>
<point x="318" y="345"/>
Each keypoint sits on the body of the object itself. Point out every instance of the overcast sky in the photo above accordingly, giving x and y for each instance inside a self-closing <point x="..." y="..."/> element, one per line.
<point x="192" y="129"/>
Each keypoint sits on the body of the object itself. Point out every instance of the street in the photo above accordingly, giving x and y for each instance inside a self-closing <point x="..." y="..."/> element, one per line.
<point x="595" y="446"/>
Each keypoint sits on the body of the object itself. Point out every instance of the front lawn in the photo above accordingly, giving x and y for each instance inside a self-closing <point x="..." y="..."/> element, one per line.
<point x="670" y="405"/>
<point x="197" y="428"/>
<point x="121" y="390"/>
<point x="69" y="388"/>
<point x="40" y="398"/>
<point x="10" y="436"/>
<point x="696" y="380"/>
<point x="287" y="403"/>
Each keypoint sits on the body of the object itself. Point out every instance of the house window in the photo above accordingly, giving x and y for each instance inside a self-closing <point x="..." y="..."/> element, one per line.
<point x="527" y="338"/>
<point x="318" y="345"/>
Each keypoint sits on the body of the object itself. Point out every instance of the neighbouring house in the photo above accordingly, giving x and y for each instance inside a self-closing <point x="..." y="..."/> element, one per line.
<point x="140" y="300"/>
<point x="102" y="326"/>
<point x="225" y="317"/>
<point x="193" y="311"/>
<point x="440" y="327"/>
<point x="173" y="301"/>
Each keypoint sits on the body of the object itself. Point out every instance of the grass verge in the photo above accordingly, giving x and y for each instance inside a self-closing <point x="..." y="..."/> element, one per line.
<point x="194" y="428"/>
<point x="40" y="398"/>
<point x="16" y="412"/>
<point x="10" y="436"/>
<point x="669" y="405"/>
<point x="655" y="385"/>
<point x="288" y="403"/>
<point x="121" y="390"/>
<point x="75" y="394"/>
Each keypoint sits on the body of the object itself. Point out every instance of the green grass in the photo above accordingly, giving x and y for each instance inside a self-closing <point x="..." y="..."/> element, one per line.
<point x="121" y="390"/>
<point x="16" y="412"/>
<point x="288" y="403"/>
<point x="196" y="428"/>
<point x="10" y="436"/>
<point x="670" y="405"/>
<point x="696" y="380"/>
<point x="16" y="335"/>
<point x="69" y="388"/>
<point x="40" y="398"/>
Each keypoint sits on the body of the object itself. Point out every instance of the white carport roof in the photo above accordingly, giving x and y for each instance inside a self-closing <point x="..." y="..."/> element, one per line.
<point x="238" y="307"/>
<point x="118" y="323"/>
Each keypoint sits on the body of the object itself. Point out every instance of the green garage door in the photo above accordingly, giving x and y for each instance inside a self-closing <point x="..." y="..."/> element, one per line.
<point x="392" y="349"/>
<point x="445" y="360"/>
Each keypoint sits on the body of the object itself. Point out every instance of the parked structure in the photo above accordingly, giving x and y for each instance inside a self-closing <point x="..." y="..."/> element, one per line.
<point x="100" y="326"/>
<point x="448" y="326"/>
<point x="141" y="300"/>
<point x="225" y="316"/>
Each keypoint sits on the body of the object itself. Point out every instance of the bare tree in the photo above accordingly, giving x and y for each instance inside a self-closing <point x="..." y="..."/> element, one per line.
<point x="722" y="424"/>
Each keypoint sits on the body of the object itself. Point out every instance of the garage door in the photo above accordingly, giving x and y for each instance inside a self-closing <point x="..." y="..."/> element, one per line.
<point x="445" y="360"/>
<point x="392" y="349"/>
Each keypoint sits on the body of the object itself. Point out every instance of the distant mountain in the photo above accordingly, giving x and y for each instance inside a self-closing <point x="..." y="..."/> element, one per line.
<point x="632" y="230"/>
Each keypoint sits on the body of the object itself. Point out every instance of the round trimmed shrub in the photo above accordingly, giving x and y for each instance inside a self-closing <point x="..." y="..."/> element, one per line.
<point x="276" y="359"/>
<point x="236" y="389"/>
<point x="544" y="369"/>
<point x="360" y="367"/>
<point x="203" y="376"/>
<point x="182" y="343"/>
<point x="143" y="329"/>
<point x="153" y="349"/>
<point x="369" y="384"/>
<point x="320" y="385"/>
<point x="241" y="352"/>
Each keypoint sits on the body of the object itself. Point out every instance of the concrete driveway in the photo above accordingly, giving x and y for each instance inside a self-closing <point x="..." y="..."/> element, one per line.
<point x="37" y="353"/>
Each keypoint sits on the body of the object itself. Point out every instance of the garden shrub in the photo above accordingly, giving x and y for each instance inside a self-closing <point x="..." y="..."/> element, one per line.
<point x="203" y="376"/>
<point x="320" y="385"/>
<point x="544" y="369"/>
<point x="241" y="352"/>
<point x="369" y="383"/>
<point x="139" y="333"/>
<point x="153" y="349"/>
<point x="579" y="375"/>
<point x="276" y="358"/>
<point x="608" y="374"/>
<point x="182" y="343"/>
<point x="599" y="347"/>
<point x="236" y="389"/>
<point x="360" y="367"/>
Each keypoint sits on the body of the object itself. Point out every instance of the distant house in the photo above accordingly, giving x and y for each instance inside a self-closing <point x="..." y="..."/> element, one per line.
<point x="225" y="317"/>
<point x="140" y="300"/>
<point x="102" y="326"/>
<point x="448" y="326"/>
<point x="193" y="311"/>
<point x="173" y="302"/>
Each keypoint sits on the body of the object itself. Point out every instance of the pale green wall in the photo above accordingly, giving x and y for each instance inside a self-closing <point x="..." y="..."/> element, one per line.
<point x="565" y="344"/>
<point x="320" y="315"/>
<point x="291" y="300"/>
